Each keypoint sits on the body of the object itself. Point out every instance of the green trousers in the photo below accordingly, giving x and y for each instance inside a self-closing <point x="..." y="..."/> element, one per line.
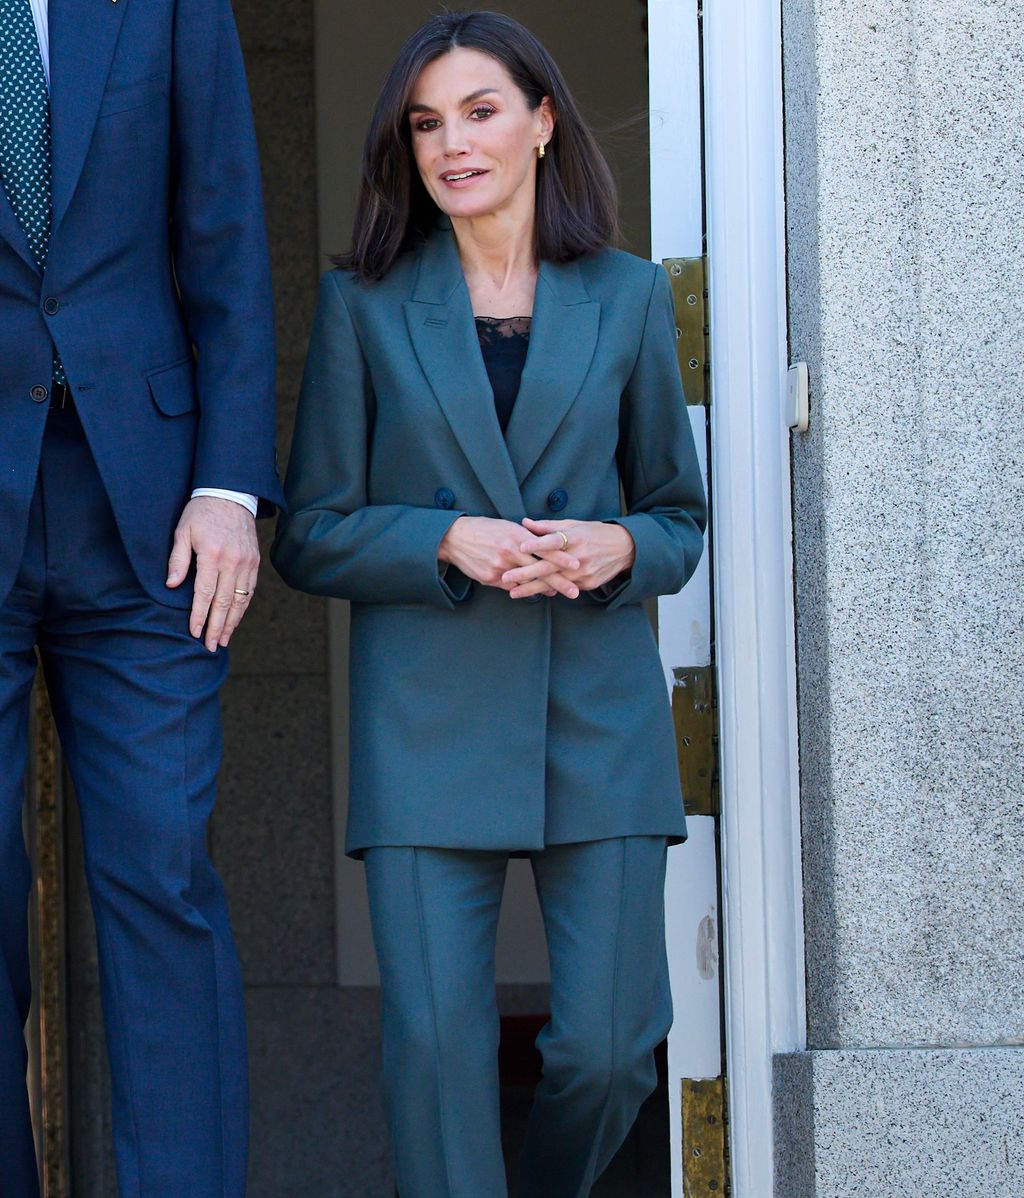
<point x="435" y="918"/>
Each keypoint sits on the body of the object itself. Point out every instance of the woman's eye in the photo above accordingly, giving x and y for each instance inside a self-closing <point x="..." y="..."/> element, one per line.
<point x="427" y="124"/>
<point x="483" y="112"/>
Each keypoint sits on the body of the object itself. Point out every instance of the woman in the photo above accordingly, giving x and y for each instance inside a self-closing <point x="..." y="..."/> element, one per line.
<point x="506" y="692"/>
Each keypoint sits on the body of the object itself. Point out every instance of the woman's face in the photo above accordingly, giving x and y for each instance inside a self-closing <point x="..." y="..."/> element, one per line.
<point x="474" y="137"/>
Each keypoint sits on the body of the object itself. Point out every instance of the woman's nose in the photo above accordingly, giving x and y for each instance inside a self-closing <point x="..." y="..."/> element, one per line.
<point x="455" y="142"/>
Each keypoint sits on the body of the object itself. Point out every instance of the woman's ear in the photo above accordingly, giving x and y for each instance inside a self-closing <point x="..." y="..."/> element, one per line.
<point x="546" y="118"/>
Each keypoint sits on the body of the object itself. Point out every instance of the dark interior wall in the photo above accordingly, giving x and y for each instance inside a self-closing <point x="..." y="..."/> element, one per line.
<point x="312" y="1046"/>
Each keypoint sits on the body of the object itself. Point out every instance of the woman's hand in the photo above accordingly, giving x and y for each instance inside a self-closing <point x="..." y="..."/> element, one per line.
<point x="601" y="552"/>
<point x="486" y="550"/>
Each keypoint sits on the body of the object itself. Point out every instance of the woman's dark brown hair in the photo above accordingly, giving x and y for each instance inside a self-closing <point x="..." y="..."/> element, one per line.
<point x="576" y="200"/>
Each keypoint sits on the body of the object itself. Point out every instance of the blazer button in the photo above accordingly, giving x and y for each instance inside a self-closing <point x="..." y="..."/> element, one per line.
<point x="444" y="498"/>
<point x="51" y="305"/>
<point x="38" y="394"/>
<point x="557" y="500"/>
<point x="534" y="598"/>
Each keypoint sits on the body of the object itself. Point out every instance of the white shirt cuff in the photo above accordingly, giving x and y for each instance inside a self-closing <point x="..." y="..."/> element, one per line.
<point x="247" y="501"/>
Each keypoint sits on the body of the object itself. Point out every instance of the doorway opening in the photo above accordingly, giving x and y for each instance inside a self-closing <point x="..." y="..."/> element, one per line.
<point x="298" y="905"/>
<point x="603" y="50"/>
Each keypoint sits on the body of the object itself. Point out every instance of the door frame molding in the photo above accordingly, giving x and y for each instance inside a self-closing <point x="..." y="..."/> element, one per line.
<point x="754" y="607"/>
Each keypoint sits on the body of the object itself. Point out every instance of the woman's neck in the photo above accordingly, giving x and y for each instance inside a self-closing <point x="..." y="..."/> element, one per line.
<point x="497" y="260"/>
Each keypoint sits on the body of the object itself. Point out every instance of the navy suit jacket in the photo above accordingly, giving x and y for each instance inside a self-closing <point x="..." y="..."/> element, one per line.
<point x="157" y="290"/>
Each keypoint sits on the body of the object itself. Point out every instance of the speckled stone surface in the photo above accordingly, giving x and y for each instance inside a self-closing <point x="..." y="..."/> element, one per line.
<point x="317" y="1124"/>
<point x="284" y="632"/>
<point x="272" y="832"/>
<point x="926" y="1123"/>
<point x="282" y="88"/>
<point x="904" y="156"/>
<point x="284" y="25"/>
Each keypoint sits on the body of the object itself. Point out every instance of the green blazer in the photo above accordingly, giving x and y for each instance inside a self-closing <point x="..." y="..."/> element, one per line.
<point x="478" y="721"/>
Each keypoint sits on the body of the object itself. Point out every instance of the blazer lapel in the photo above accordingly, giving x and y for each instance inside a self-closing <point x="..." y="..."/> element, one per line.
<point x="563" y="337"/>
<point x="12" y="232"/>
<point x="83" y="34"/>
<point x="440" y="321"/>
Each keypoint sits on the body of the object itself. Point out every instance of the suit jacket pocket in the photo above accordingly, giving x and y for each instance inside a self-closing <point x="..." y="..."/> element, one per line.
<point x="132" y="95"/>
<point x="173" y="388"/>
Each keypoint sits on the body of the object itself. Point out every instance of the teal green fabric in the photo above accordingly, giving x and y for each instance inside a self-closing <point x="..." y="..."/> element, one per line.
<point x="478" y="721"/>
<point x="435" y="918"/>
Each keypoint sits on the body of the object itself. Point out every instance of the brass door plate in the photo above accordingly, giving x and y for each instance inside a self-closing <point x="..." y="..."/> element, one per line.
<point x="693" y="712"/>
<point x="689" y="291"/>
<point x="705" y="1163"/>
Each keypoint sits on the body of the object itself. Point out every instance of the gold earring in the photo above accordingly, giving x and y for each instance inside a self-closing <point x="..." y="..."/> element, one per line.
<point x="541" y="151"/>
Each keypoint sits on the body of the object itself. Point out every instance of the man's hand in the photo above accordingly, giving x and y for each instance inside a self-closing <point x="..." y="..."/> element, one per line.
<point x="222" y="535"/>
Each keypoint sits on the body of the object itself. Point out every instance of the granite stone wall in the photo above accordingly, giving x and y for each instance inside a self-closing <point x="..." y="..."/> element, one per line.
<point x="904" y="159"/>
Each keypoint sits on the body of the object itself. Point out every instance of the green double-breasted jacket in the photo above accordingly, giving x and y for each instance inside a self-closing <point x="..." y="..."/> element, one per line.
<point x="478" y="721"/>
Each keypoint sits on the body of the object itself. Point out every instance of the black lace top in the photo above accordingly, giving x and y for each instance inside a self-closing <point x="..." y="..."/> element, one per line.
<point x="504" y="341"/>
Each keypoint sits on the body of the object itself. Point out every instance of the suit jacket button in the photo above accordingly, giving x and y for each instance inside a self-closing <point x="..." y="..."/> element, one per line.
<point x="557" y="500"/>
<point x="534" y="598"/>
<point x="444" y="497"/>
<point x="38" y="393"/>
<point x="51" y="305"/>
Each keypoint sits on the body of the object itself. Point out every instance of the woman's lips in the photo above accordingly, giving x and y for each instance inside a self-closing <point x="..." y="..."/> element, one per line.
<point x="463" y="178"/>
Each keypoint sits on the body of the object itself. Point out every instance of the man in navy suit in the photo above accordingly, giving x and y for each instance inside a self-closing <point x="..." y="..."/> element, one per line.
<point x="136" y="443"/>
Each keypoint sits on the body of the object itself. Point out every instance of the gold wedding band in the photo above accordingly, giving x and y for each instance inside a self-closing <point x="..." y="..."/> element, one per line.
<point x="238" y="592"/>
<point x="565" y="540"/>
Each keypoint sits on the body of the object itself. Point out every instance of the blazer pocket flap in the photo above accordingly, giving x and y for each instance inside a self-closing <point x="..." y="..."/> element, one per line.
<point x="173" y="388"/>
<point x="132" y="95"/>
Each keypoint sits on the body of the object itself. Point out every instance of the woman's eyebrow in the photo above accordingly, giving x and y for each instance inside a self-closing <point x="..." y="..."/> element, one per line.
<point x="477" y="95"/>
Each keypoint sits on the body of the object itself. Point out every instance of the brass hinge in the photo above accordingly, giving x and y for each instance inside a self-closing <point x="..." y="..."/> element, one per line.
<point x="705" y="1156"/>
<point x="688" y="277"/>
<point x="693" y="711"/>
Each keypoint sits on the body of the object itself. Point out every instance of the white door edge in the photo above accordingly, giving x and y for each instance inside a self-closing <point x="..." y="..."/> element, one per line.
<point x="684" y="620"/>
<point x="755" y="633"/>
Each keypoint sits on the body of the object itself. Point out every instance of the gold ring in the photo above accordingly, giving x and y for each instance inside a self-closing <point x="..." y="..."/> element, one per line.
<point x="238" y="592"/>
<point x="565" y="540"/>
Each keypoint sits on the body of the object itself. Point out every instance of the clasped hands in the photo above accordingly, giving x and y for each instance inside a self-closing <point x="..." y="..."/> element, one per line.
<point x="532" y="558"/>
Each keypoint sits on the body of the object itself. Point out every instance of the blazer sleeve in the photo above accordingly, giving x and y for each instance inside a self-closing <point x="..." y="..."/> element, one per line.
<point x="221" y="260"/>
<point x="332" y="541"/>
<point x="666" y="510"/>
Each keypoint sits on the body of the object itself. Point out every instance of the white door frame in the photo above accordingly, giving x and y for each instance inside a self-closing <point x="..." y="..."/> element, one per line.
<point x="754" y="613"/>
<point x="684" y="620"/>
<point x="750" y="470"/>
<point x="762" y="889"/>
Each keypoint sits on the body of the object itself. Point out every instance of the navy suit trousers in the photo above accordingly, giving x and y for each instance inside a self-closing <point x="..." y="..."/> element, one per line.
<point x="136" y="703"/>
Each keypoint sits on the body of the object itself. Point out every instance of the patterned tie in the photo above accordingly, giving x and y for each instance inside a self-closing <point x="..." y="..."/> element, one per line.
<point x="25" y="132"/>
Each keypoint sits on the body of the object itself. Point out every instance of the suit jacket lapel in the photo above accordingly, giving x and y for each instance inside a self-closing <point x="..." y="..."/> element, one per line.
<point x="83" y="34"/>
<point x="440" y="321"/>
<point x="563" y="337"/>
<point x="12" y="232"/>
